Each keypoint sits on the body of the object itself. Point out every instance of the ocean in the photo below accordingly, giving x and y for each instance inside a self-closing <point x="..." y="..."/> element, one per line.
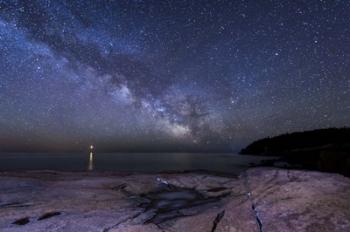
<point x="128" y="162"/>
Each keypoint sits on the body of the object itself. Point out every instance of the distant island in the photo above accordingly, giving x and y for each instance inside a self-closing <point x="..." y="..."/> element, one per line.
<point x="322" y="149"/>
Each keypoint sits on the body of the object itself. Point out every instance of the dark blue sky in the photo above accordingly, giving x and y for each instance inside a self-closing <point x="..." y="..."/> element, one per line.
<point x="170" y="75"/>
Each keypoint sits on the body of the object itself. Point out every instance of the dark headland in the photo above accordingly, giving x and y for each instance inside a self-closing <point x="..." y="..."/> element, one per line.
<point x="323" y="150"/>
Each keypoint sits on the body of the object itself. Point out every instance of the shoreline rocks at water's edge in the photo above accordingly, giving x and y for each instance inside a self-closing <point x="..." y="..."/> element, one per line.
<point x="266" y="199"/>
<point x="326" y="150"/>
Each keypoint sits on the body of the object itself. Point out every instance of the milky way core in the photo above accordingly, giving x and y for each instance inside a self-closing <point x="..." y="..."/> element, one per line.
<point x="170" y="75"/>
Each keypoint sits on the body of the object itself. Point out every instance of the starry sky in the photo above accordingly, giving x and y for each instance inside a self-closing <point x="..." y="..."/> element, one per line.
<point x="170" y="75"/>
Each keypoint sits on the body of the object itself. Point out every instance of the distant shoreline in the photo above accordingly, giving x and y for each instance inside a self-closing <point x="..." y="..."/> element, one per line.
<point x="326" y="150"/>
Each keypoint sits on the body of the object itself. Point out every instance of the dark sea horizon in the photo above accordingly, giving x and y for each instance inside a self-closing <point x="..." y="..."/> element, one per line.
<point x="230" y="163"/>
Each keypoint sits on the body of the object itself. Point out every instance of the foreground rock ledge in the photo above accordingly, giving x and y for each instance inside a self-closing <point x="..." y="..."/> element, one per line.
<point x="261" y="199"/>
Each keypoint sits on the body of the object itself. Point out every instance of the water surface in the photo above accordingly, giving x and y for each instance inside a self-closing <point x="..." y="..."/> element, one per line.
<point x="133" y="162"/>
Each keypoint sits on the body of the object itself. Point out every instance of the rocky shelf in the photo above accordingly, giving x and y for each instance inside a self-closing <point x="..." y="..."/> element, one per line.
<point x="261" y="199"/>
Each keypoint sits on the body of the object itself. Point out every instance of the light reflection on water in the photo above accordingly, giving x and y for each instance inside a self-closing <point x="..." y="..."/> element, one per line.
<point x="133" y="162"/>
<point x="91" y="162"/>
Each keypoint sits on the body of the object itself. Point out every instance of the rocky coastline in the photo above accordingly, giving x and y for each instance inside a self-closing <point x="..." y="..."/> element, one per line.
<point x="260" y="199"/>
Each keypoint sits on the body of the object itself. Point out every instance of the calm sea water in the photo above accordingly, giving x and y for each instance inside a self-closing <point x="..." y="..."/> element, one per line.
<point x="133" y="162"/>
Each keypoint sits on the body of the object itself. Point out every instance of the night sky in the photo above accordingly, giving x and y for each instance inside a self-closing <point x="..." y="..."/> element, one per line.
<point x="170" y="75"/>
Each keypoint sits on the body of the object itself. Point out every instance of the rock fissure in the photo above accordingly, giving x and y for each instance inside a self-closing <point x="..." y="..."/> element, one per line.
<point x="49" y="215"/>
<point x="121" y="222"/>
<point x="22" y="221"/>
<point x="217" y="220"/>
<point x="15" y="205"/>
<point x="253" y="206"/>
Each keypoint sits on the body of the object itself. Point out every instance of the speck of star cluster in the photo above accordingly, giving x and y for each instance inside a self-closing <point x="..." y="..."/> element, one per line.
<point x="170" y="75"/>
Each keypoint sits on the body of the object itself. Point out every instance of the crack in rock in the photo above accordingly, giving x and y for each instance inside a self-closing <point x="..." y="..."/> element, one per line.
<point x="255" y="211"/>
<point x="21" y="221"/>
<point x="48" y="215"/>
<point x="15" y="205"/>
<point x="217" y="220"/>
<point x="121" y="222"/>
<point x="258" y="220"/>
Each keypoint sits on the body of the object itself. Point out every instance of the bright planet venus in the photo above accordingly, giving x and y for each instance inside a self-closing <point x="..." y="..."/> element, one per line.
<point x="169" y="75"/>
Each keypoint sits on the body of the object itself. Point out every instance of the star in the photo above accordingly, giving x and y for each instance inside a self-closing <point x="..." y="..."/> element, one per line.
<point x="180" y="74"/>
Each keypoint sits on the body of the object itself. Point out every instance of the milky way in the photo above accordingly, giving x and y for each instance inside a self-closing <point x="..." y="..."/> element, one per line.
<point x="170" y="75"/>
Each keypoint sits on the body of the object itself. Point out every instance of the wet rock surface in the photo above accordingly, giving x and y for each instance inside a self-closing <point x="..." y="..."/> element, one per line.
<point x="170" y="202"/>
<point x="261" y="199"/>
